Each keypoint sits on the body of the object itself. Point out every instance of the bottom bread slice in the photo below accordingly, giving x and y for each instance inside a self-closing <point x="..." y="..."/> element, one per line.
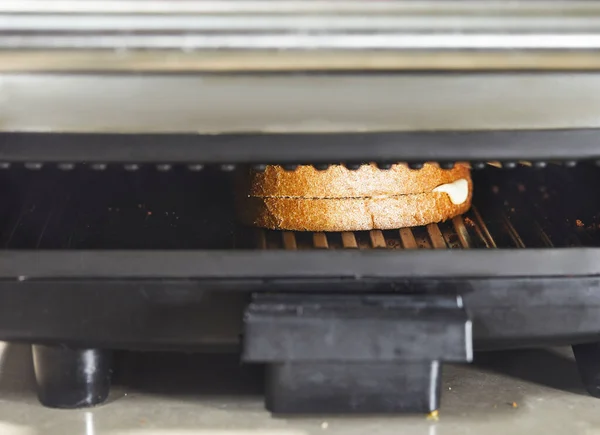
<point x="349" y="214"/>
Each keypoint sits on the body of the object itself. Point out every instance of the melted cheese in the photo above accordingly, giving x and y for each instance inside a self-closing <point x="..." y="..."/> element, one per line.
<point x="458" y="191"/>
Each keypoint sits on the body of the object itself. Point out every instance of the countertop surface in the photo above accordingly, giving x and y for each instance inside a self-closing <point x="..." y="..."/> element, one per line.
<point x="526" y="391"/>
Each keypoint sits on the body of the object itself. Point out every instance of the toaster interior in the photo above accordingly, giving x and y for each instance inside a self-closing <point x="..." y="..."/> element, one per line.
<point x="192" y="207"/>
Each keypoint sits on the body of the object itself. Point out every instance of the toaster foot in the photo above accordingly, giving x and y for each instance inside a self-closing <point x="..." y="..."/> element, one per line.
<point x="331" y="388"/>
<point x="588" y="362"/>
<point x="355" y="353"/>
<point x="71" y="378"/>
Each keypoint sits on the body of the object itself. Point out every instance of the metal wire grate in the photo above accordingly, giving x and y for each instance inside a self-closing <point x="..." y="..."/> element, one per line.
<point x="457" y="233"/>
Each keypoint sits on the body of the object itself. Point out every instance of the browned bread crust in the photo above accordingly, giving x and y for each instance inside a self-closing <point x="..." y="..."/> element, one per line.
<point x="340" y="182"/>
<point x="350" y="214"/>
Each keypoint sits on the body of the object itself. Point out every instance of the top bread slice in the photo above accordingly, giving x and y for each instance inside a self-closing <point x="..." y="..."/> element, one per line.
<point x="339" y="182"/>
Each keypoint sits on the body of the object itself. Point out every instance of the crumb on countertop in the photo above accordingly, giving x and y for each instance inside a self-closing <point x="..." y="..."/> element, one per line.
<point x="579" y="223"/>
<point x="433" y="415"/>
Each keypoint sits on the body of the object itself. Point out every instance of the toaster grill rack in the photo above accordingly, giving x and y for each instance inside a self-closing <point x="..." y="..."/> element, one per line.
<point x="461" y="232"/>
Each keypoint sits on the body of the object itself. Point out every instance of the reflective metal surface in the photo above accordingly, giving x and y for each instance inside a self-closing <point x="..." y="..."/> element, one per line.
<point x="297" y="103"/>
<point x="303" y="20"/>
<point x="287" y="6"/>
<point x="100" y="39"/>
<point x="405" y="34"/>
<point x="269" y="61"/>
<point x="275" y="41"/>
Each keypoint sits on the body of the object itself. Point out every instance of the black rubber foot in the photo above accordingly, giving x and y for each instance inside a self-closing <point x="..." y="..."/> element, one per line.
<point x="71" y="378"/>
<point x="332" y="388"/>
<point x="588" y="363"/>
